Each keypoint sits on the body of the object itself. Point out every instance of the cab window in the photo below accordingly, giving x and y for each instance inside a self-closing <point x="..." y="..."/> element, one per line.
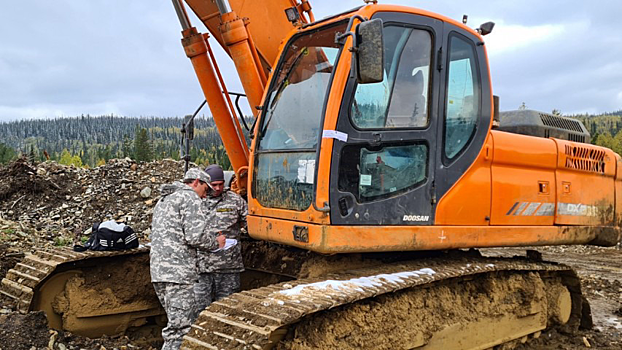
<point x="371" y="173"/>
<point x="462" y="96"/>
<point x="401" y="99"/>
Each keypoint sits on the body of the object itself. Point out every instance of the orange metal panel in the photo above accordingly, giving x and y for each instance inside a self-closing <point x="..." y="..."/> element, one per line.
<point x="351" y="239"/>
<point x="523" y="180"/>
<point x="268" y="24"/>
<point x="309" y="215"/>
<point x="369" y="10"/>
<point x="585" y="184"/>
<point x="468" y="202"/>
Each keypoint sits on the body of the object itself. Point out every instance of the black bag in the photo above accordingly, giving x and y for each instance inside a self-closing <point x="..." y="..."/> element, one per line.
<point x="110" y="235"/>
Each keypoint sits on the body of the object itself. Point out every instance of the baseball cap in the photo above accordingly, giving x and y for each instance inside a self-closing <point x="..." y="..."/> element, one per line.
<point x="197" y="173"/>
<point x="215" y="172"/>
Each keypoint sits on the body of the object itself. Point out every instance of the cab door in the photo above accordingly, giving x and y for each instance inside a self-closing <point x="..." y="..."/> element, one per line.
<point x="464" y="123"/>
<point x="384" y="172"/>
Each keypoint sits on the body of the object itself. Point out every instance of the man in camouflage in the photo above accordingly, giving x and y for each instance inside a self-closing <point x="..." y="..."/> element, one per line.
<point x="219" y="272"/>
<point x="179" y="227"/>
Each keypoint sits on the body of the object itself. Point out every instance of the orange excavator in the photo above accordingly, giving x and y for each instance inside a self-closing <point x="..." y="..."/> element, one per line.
<point x="379" y="163"/>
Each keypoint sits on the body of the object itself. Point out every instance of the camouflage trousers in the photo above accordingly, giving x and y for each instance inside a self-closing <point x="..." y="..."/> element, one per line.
<point x="179" y="304"/>
<point x="215" y="286"/>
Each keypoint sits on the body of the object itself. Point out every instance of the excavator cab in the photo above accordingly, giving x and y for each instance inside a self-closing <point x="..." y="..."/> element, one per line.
<point x="408" y="160"/>
<point x="336" y="149"/>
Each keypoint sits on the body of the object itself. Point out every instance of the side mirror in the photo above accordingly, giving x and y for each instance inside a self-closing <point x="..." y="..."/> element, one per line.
<point x="370" y="52"/>
<point x="486" y="28"/>
<point x="189" y="124"/>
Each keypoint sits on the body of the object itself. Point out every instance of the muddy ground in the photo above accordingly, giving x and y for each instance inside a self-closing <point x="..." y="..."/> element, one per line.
<point x="49" y="204"/>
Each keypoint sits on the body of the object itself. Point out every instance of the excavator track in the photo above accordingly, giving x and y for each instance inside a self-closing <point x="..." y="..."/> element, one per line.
<point x="295" y="314"/>
<point x="58" y="280"/>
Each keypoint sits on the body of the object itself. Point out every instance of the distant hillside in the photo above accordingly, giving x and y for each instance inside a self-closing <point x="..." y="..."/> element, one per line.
<point x="94" y="140"/>
<point x="90" y="141"/>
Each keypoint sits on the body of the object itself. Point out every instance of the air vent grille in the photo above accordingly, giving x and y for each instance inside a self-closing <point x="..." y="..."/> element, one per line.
<point x="576" y="138"/>
<point x="587" y="159"/>
<point x="561" y="123"/>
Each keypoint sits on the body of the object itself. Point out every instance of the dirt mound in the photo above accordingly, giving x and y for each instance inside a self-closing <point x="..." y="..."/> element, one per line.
<point x="58" y="203"/>
<point x="20" y="178"/>
<point x="52" y="204"/>
<point x="8" y="258"/>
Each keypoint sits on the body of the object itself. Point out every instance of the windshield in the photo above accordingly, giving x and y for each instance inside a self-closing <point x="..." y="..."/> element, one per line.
<point x="291" y="124"/>
<point x="296" y="99"/>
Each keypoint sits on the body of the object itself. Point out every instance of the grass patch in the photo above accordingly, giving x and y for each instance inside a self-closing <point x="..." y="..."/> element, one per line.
<point x="62" y="241"/>
<point x="8" y="231"/>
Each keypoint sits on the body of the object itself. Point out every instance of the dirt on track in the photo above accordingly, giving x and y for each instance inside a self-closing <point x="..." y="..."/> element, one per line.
<point x="600" y="271"/>
<point x="381" y="323"/>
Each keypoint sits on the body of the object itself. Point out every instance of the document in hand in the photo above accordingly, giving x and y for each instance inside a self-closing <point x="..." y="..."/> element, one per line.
<point x="228" y="244"/>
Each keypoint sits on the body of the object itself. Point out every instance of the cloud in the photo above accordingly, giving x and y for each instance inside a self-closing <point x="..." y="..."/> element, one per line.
<point x="568" y="69"/>
<point x="73" y="57"/>
<point x="514" y="37"/>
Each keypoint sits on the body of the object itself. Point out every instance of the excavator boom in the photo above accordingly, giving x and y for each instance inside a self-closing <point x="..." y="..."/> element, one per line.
<point x="257" y="15"/>
<point x="239" y="27"/>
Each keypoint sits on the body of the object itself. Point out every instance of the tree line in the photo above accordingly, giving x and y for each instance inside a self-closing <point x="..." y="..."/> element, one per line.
<point x="90" y="141"/>
<point x="605" y="130"/>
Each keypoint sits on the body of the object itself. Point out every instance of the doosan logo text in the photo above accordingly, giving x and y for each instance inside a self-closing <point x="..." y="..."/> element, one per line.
<point x="416" y="218"/>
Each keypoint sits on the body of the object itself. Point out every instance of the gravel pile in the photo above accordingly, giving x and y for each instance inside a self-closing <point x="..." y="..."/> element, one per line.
<point x="52" y="203"/>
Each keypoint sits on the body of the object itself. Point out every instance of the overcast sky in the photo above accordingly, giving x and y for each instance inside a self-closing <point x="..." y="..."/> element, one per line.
<point x="72" y="57"/>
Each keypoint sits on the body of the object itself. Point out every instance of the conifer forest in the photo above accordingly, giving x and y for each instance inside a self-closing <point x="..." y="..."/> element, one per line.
<point x="90" y="141"/>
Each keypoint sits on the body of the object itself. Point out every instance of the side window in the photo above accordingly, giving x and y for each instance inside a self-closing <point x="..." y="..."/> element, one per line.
<point x="401" y="99"/>
<point x="375" y="173"/>
<point x="463" y="96"/>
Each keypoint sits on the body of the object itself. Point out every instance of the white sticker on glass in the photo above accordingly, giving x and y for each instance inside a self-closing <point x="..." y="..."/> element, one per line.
<point x="365" y="180"/>
<point x="306" y="170"/>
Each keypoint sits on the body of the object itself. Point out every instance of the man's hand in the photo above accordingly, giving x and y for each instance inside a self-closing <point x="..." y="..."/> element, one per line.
<point x="220" y="239"/>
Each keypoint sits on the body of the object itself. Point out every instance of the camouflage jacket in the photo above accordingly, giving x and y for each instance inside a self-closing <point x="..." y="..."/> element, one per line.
<point x="178" y="228"/>
<point x="229" y="210"/>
